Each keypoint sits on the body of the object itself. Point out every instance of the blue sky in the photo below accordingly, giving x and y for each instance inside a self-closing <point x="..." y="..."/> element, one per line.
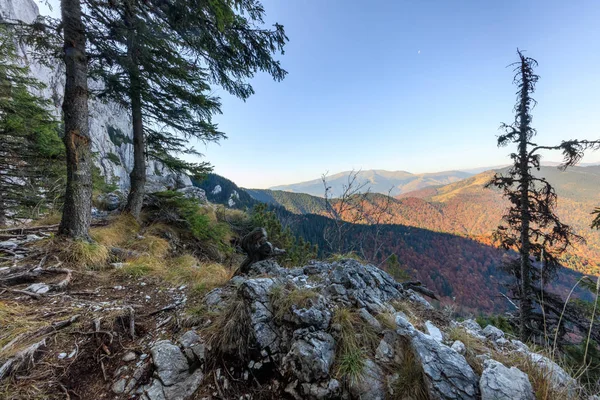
<point x="415" y="85"/>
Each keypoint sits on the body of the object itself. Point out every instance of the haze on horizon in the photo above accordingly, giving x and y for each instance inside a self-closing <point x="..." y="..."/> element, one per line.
<point x="414" y="86"/>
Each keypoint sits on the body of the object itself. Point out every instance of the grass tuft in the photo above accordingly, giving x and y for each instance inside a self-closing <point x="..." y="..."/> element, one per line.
<point x="355" y="339"/>
<point x="350" y="255"/>
<point x="411" y="381"/>
<point x="118" y="232"/>
<point x="230" y="334"/>
<point x="82" y="254"/>
<point x="282" y="300"/>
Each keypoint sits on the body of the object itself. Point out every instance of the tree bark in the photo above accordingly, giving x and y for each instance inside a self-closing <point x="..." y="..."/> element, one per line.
<point x="137" y="177"/>
<point x="526" y="288"/>
<point x="76" y="215"/>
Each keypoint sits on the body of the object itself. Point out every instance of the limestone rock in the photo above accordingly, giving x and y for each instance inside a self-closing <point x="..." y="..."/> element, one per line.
<point x="459" y="347"/>
<point x="448" y="375"/>
<point x="311" y="356"/>
<point x="493" y="333"/>
<point x="170" y="363"/>
<point x="371" y="384"/>
<point x="434" y="331"/>
<point x="499" y="382"/>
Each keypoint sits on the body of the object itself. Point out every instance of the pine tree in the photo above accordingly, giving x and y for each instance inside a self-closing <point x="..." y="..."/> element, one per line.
<point x="151" y="63"/>
<point x="532" y="227"/>
<point x="31" y="151"/>
<point x="77" y="207"/>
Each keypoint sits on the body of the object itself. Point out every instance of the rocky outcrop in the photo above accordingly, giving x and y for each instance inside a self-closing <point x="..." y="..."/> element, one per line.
<point x="288" y="331"/>
<point x="499" y="382"/>
<point x="110" y="124"/>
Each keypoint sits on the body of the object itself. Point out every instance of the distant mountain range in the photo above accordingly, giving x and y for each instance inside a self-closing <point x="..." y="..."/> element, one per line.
<point x="378" y="180"/>
<point x="400" y="182"/>
<point x="442" y="234"/>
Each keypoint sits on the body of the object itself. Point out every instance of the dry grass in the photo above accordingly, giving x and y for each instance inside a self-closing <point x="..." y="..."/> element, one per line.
<point x="540" y="379"/>
<point x="411" y="381"/>
<point x="473" y="346"/>
<point x="15" y="320"/>
<point x="81" y="254"/>
<point x="387" y="320"/>
<point x="152" y="245"/>
<point x="202" y="277"/>
<point x="229" y="334"/>
<point x="350" y="255"/>
<point x="118" y="232"/>
<point x="51" y="218"/>
<point x="282" y="300"/>
<point x="355" y="341"/>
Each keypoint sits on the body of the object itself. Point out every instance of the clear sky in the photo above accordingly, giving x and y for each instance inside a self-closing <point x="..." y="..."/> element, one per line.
<point x="415" y="85"/>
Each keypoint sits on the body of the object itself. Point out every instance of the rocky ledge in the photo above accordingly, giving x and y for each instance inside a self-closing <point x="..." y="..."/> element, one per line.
<point x="330" y="331"/>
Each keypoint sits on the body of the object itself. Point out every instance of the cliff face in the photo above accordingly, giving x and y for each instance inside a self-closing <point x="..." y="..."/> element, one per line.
<point x="110" y="124"/>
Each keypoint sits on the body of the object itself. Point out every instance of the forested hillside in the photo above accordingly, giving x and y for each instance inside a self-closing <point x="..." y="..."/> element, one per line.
<point x="466" y="208"/>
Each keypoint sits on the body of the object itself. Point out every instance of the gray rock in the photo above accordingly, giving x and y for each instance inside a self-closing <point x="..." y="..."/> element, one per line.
<point x="371" y="383"/>
<point x="170" y="363"/>
<point x="192" y="192"/>
<point x="320" y="391"/>
<point x="185" y="389"/>
<point x="310" y="357"/>
<point x="370" y="319"/>
<point x="384" y="352"/>
<point x="560" y="378"/>
<point x="499" y="382"/>
<point x="447" y="373"/>
<point x="119" y="386"/>
<point x="8" y="245"/>
<point x="199" y="351"/>
<point x="154" y="391"/>
<point x="434" y="331"/>
<point x="188" y="339"/>
<point x="39" y="288"/>
<point x="493" y="333"/>
<point x="459" y="347"/>
<point x="316" y="314"/>
<point x="129" y="356"/>
<point x="111" y="201"/>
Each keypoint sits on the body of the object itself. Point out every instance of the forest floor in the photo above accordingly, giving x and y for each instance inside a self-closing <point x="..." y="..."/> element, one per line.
<point x="65" y="331"/>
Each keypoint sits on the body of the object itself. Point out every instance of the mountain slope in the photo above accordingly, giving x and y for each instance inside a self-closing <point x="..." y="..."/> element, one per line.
<point x="380" y="181"/>
<point x="467" y="208"/>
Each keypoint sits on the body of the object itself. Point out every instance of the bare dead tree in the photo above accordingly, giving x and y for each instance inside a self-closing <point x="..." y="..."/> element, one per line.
<point x="344" y="210"/>
<point x="356" y="204"/>
<point x="377" y="214"/>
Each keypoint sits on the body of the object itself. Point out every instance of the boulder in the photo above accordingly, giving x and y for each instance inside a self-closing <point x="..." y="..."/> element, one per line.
<point x="195" y="193"/>
<point x="447" y="373"/>
<point x="170" y="363"/>
<point x="434" y="331"/>
<point x="370" y="385"/>
<point x="493" y="333"/>
<point x="311" y="356"/>
<point x="499" y="382"/>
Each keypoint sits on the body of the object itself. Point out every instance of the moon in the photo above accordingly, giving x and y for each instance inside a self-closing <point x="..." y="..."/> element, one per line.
<point x="419" y="52"/>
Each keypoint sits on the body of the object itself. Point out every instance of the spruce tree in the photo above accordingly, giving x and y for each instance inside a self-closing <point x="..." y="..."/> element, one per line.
<point x="77" y="207"/>
<point x="151" y="62"/>
<point x="31" y="151"/>
<point x="531" y="225"/>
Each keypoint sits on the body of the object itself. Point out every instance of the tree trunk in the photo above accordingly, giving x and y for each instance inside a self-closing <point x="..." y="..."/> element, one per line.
<point x="76" y="216"/>
<point x="138" y="173"/>
<point x="525" y="301"/>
